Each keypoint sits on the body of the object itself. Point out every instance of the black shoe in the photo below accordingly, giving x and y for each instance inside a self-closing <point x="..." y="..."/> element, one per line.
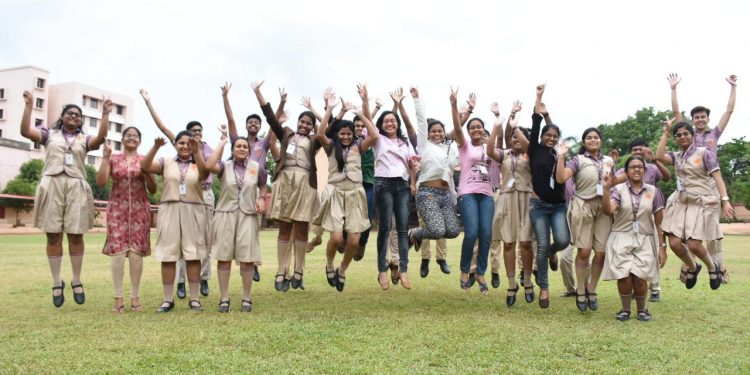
<point x="655" y="296"/>
<point x="472" y="279"/>
<point x="80" y="298"/>
<point x="204" y="288"/>
<point x="644" y="316"/>
<point x="715" y="282"/>
<point x="496" y="280"/>
<point x="223" y="306"/>
<point x="520" y="279"/>
<point x="339" y="280"/>
<point x="247" y="308"/>
<point x="165" y="309"/>
<point x="593" y="303"/>
<point x="58" y="300"/>
<point x="256" y="274"/>
<point x="395" y="274"/>
<point x="414" y="241"/>
<point x="340" y="249"/>
<point x="298" y="283"/>
<point x="331" y="277"/>
<point x="444" y="268"/>
<point x="623" y="315"/>
<point x="285" y="284"/>
<point x="553" y="263"/>
<point x="424" y="269"/>
<point x="279" y="285"/>
<point x="510" y="300"/>
<point x="181" y="290"/>
<point x="690" y="282"/>
<point x="543" y="302"/>
<point x="528" y="292"/>
<point x="195" y="305"/>
<point x="581" y="305"/>
<point x="359" y="254"/>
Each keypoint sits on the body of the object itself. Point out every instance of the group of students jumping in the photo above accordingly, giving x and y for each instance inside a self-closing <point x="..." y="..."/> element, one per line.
<point x="512" y="185"/>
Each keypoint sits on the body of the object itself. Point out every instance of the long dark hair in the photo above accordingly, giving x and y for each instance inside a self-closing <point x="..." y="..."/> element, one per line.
<point x="582" y="150"/>
<point x="379" y="124"/>
<point x="59" y="123"/>
<point x="683" y="124"/>
<point x="131" y="127"/>
<point x="338" y="148"/>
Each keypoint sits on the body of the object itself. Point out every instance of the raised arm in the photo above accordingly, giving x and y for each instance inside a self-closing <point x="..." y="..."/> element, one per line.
<point x="282" y="102"/>
<point x="422" y="135"/>
<point x="157" y="120"/>
<point x="372" y="131"/>
<point x="545" y="114"/>
<point x="307" y="103"/>
<point x="378" y="106"/>
<point x="326" y="142"/>
<point x="267" y="111"/>
<point x="101" y="134"/>
<point x="562" y="173"/>
<point x="674" y="80"/>
<point x="608" y="206"/>
<point x="228" y="110"/>
<point x="148" y="164"/>
<point x="27" y="131"/>
<point x="661" y="150"/>
<point x="102" y="175"/>
<point x="198" y="156"/>
<point x="539" y="93"/>
<point x="398" y="102"/>
<point x="212" y="164"/>
<point x="512" y="120"/>
<point x="458" y="133"/>
<point x="496" y="129"/>
<point x="724" y="121"/>
<point x="666" y="175"/>
<point x="362" y="91"/>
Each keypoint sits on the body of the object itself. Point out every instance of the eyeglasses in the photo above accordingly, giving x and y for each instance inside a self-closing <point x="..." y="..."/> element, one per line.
<point x="131" y="136"/>
<point x="635" y="167"/>
<point x="681" y="134"/>
<point x="73" y="114"/>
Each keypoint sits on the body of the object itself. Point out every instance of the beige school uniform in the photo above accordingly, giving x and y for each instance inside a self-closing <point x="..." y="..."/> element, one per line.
<point x="236" y="223"/>
<point x="627" y="251"/>
<point x="693" y="211"/>
<point x="181" y="225"/>
<point x="345" y="206"/>
<point x="63" y="201"/>
<point x="292" y="198"/>
<point x="511" y="221"/>
<point x="589" y="225"/>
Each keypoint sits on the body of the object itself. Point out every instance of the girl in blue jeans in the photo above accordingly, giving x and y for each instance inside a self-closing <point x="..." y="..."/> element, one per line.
<point x="547" y="206"/>
<point x="476" y="202"/>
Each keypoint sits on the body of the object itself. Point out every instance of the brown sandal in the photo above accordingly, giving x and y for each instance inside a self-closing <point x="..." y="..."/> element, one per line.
<point x="118" y="309"/>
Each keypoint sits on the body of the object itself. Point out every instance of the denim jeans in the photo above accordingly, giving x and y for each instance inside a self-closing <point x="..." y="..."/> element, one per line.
<point x="370" y="194"/>
<point x="392" y="196"/>
<point x="545" y="216"/>
<point x="476" y="212"/>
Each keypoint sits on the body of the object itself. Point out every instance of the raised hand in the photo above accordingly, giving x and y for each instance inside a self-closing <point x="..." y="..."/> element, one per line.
<point x="255" y="85"/>
<point x="362" y="90"/>
<point x="544" y="111"/>
<point x="397" y="95"/>
<point x="673" y="79"/>
<point x="495" y="109"/>
<point x="472" y="102"/>
<point x="106" y="105"/>
<point x="145" y="95"/>
<point x="281" y="119"/>
<point x="225" y="89"/>
<point x="648" y="154"/>
<point x="306" y="102"/>
<point x="378" y="102"/>
<point x="667" y="124"/>
<point x="732" y="80"/>
<point x="159" y="141"/>
<point x="454" y="95"/>
<point x="223" y="139"/>
<point x="223" y="130"/>
<point x="328" y="94"/>
<point x="28" y="98"/>
<point x="540" y="89"/>
<point x="464" y="109"/>
<point x="346" y="106"/>
<point x="516" y="106"/>
<point x="606" y="181"/>
<point x="282" y="94"/>
<point x="562" y="149"/>
<point x="194" y="145"/>
<point x="107" y="150"/>
<point x="355" y="109"/>
<point x="330" y="97"/>
<point x="414" y="92"/>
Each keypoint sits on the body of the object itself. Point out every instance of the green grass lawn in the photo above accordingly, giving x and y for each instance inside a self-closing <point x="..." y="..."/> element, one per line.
<point x="433" y="328"/>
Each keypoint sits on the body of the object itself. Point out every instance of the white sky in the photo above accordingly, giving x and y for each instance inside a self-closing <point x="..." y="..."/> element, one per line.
<point x="602" y="61"/>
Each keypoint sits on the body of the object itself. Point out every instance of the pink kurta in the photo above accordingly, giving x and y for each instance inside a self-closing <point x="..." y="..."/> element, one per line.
<point x="129" y="212"/>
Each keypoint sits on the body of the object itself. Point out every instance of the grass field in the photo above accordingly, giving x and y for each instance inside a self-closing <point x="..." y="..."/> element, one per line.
<point x="433" y="328"/>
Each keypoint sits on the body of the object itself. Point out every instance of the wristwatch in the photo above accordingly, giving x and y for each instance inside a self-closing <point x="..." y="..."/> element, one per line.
<point x="725" y="199"/>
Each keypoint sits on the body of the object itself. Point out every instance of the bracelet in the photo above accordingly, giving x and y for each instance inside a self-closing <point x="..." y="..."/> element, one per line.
<point x="663" y="244"/>
<point x="725" y="199"/>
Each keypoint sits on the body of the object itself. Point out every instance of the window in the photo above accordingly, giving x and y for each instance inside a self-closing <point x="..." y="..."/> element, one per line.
<point x="1" y="133"/>
<point x="94" y="103"/>
<point x="91" y="160"/>
<point x="92" y="122"/>
<point x="118" y="145"/>
<point x="2" y="93"/>
<point x="39" y="103"/>
<point x="83" y="102"/>
<point x="38" y="122"/>
<point x="40" y="82"/>
<point x="1" y="114"/>
<point x="118" y="128"/>
<point x="120" y="109"/>
<point x="37" y="146"/>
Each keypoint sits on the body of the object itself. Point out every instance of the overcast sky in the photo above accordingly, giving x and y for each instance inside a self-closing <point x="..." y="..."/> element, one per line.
<point x="602" y="61"/>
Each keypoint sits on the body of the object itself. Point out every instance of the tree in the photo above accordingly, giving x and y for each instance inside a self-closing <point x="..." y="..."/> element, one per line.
<point x="734" y="160"/>
<point x="100" y="193"/>
<point x="24" y="184"/>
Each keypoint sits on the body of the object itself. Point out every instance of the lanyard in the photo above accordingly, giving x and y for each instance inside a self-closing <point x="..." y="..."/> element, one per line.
<point x="239" y="179"/>
<point x="635" y="201"/>
<point x="513" y="164"/>
<point x="599" y="165"/>
<point x="69" y="145"/>
<point x="183" y="170"/>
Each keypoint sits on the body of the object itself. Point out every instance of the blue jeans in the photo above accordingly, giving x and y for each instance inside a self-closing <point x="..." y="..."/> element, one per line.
<point x="476" y="212"/>
<point x="392" y="196"/>
<point x="370" y="194"/>
<point x="545" y="216"/>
